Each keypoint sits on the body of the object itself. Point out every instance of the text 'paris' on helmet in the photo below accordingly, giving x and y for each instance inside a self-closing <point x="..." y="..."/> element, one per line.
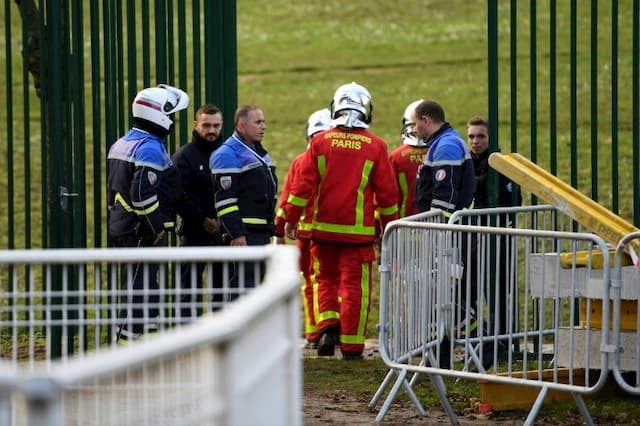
<point x="409" y="136"/>
<point x="318" y="121"/>
<point x="157" y="104"/>
<point x="352" y="97"/>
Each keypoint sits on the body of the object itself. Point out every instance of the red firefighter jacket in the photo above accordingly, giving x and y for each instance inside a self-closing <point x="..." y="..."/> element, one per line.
<point x="405" y="161"/>
<point x="304" y="226"/>
<point x="346" y="168"/>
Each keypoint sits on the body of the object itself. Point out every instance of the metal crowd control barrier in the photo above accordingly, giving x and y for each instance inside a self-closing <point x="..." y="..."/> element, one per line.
<point x="437" y="283"/>
<point x="61" y="303"/>
<point x="625" y="289"/>
<point x="205" y="372"/>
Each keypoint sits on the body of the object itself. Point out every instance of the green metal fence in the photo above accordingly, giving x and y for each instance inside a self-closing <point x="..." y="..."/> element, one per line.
<point x="554" y="92"/>
<point x="71" y="70"/>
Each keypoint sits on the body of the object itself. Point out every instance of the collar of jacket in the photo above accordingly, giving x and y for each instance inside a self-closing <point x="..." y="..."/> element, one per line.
<point x="256" y="146"/>
<point x="446" y="126"/>
<point x="204" y="145"/>
<point x="483" y="155"/>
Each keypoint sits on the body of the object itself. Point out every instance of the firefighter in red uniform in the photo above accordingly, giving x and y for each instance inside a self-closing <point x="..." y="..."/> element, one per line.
<point x="344" y="168"/>
<point x="405" y="161"/>
<point x="317" y="122"/>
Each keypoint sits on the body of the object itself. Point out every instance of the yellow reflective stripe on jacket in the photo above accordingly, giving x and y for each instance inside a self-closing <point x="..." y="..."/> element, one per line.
<point x="120" y="199"/>
<point x="344" y="229"/>
<point x="297" y="201"/>
<point x="254" y="221"/>
<point x="280" y="212"/>
<point x="322" y="166"/>
<point x="364" y="180"/>
<point x="228" y="210"/>
<point x="386" y="211"/>
<point x="168" y="225"/>
<point x="404" y="191"/>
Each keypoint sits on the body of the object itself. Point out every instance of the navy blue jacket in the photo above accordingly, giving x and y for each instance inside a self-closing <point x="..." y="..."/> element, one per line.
<point x="245" y="186"/>
<point x="143" y="187"/>
<point x="446" y="178"/>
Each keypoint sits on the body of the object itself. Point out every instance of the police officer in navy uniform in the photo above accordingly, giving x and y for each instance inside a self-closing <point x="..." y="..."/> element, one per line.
<point x="143" y="193"/>
<point x="245" y="186"/>
<point x="445" y="181"/>
<point x="199" y="224"/>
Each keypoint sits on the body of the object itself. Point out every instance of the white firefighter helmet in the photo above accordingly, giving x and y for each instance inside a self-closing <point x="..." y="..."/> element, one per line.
<point x="352" y="97"/>
<point x="409" y="136"/>
<point x="156" y="104"/>
<point x="318" y="121"/>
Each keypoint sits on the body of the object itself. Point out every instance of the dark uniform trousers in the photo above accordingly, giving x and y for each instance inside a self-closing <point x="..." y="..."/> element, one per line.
<point x="138" y="308"/>
<point x="248" y="274"/>
<point x="196" y="294"/>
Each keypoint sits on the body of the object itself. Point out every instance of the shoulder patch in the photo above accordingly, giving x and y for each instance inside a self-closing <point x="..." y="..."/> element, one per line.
<point x="441" y="175"/>
<point x="152" y="176"/>
<point x="225" y="182"/>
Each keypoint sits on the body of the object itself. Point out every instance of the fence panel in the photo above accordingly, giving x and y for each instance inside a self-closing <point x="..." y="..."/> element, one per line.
<point x="564" y="90"/>
<point x="69" y="70"/>
<point x="497" y="304"/>
<point x="625" y="292"/>
<point x="238" y="365"/>
<point x="106" y="295"/>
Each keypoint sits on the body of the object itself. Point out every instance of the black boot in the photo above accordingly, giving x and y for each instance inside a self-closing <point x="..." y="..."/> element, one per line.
<point x="329" y="338"/>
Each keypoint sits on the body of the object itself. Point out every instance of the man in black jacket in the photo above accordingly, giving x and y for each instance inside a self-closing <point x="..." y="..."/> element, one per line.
<point x="199" y="225"/>
<point x="508" y="195"/>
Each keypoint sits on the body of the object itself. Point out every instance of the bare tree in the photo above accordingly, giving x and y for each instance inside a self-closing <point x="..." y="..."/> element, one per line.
<point x="31" y="21"/>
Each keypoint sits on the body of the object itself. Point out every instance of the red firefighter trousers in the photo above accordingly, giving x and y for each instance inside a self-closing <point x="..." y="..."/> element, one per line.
<point x="341" y="279"/>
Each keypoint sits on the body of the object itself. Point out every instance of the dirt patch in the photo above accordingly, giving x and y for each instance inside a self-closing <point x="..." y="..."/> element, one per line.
<point x="322" y="406"/>
<point x="341" y="408"/>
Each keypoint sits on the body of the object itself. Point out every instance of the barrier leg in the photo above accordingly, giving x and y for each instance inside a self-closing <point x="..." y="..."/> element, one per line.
<point x="438" y="383"/>
<point x="441" y="389"/>
<point x="5" y="407"/>
<point x="413" y="397"/>
<point x="402" y="377"/>
<point x="536" y="406"/>
<point x="583" y="408"/>
<point x="383" y="386"/>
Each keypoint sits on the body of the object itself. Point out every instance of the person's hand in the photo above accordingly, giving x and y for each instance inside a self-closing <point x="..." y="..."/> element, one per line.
<point x="158" y="237"/>
<point x="279" y="240"/>
<point x="291" y="230"/>
<point x="239" y="241"/>
<point x="210" y="225"/>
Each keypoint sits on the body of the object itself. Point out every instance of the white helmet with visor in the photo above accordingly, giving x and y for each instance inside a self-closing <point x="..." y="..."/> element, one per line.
<point x="157" y="104"/>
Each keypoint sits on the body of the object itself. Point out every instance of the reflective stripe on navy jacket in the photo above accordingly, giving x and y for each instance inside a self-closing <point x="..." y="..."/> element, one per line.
<point x="245" y="186"/>
<point x="143" y="187"/>
<point x="446" y="178"/>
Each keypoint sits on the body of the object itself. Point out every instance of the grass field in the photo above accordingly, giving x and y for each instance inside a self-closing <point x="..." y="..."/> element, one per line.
<point x="406" y="50"/>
